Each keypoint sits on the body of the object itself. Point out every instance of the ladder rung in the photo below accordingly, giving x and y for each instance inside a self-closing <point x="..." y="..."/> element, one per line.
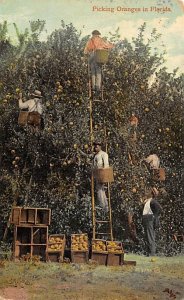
<point x="100" y="221"/>
<point x="101" y="233"/>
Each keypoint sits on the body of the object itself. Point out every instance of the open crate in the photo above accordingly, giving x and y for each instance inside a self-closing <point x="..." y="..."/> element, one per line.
<point x="30" y="240"/>
<point x="99" y="251"/>
<point x="56" y="247"/>
<point x="114" y="247"/>
<point x="115" y="253"/>
<point x="32" y="216"/>
<point x="79" y="248"/>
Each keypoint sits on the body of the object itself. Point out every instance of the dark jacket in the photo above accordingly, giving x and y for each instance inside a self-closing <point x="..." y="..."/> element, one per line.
<point x="156" y="209"/>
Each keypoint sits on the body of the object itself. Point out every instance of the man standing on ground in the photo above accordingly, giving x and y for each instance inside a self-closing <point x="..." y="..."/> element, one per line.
<point x="151" y="212"/>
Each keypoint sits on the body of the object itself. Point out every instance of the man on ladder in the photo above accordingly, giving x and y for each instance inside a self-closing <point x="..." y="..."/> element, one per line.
<point x="96" y="59"/>
<point x="103" y="174"/>
<point x="34" y="106"/>
<point x="100" y="160"/>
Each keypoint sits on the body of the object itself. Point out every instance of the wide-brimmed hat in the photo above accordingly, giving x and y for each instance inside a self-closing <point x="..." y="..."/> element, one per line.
<point x="96" y="32"/>
<point x="37" y="94"/>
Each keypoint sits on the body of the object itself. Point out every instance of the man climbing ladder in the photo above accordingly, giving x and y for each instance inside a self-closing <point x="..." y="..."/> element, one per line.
<point x="96" y="57"/>
<point x="103" y="175"/>
<point x="100" y="161"/>
<point x="97" y="50"/>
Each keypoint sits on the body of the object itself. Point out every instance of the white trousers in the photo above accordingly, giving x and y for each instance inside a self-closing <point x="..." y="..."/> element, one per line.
<point x="101" y="196"/>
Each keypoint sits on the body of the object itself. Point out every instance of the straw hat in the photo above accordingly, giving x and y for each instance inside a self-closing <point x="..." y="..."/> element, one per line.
<point x="37" y="94"/>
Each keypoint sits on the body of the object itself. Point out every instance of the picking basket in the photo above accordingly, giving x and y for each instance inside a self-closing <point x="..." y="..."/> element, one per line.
<point x="34" y="118"/>
<point x="22" y="119"/>
<point x="104" y="174"/>
<point x="101" y="56"/>
<point x="159" y="174"/>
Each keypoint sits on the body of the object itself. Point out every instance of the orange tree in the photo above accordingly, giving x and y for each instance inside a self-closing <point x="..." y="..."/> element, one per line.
<point x="46" y="168"/>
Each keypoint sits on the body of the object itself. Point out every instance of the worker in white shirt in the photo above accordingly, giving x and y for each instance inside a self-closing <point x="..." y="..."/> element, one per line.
<point x="35" y="109"/>
<point x="151" y="213"/>
<point x="100" y="160"/>
<point x="34" y="104"/>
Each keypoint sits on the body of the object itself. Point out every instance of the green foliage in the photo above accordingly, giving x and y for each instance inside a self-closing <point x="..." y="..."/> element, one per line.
<point x="5" y="251"/>
<point x="36" y="28"/>
<point x="22" y="37"/>
<point x="3" y="31"/>
<point x="46" y="167"/>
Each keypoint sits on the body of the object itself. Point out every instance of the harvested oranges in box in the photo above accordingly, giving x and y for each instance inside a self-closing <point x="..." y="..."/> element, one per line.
<point x="79" y="242"/>
<point x="114" y="247"/>
<point x="56" y="242"/>
<point x="99" y="245"/>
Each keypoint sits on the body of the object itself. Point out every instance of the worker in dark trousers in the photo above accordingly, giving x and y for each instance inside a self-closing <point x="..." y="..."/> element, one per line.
<point x="151" y="212"/>
<point x="93" y="44"/>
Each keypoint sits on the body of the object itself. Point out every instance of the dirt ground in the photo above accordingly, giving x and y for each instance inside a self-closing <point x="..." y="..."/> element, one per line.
<point x="159" y="278"/>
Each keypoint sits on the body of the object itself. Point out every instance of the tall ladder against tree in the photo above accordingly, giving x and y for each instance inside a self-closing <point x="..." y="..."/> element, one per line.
<point x="96" y="222"/>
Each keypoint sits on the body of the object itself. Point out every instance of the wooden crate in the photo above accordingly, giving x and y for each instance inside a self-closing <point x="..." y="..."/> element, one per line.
<point x="25" y="234"/>
<point x="79" y="248"/>
<point x="79" y="257"/>
<point x="100" y="257"/>
<point x="30" y="240"/>
<point x="99" y="251"/>
<point x="56" y="247"/>
<point x="114" y="259"/>
<point x="115" y="253"/>
<point x="39" y="250"/>
<point x="56" y="256"/>
<point x="32" y="216"/>
<point x="30" y="252"/>
<point x="114" y="247"/>
<point x="15" y="215"/>
<point x="99" y="245"/>
<point x="40" y="235"/>
<point x="79" y="242"/>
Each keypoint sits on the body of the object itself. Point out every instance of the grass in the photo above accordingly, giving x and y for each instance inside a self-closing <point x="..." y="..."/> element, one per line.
<point x="149" y="279"/>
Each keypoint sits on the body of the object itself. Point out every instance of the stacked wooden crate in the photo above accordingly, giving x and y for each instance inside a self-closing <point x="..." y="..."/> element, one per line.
<point x="30" y="231"/>
<point x="31" y="239"/>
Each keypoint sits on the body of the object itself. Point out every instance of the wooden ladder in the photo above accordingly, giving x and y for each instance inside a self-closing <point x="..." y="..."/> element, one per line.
<point x="108" y="219"/>
<point x="105" y="222"/>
